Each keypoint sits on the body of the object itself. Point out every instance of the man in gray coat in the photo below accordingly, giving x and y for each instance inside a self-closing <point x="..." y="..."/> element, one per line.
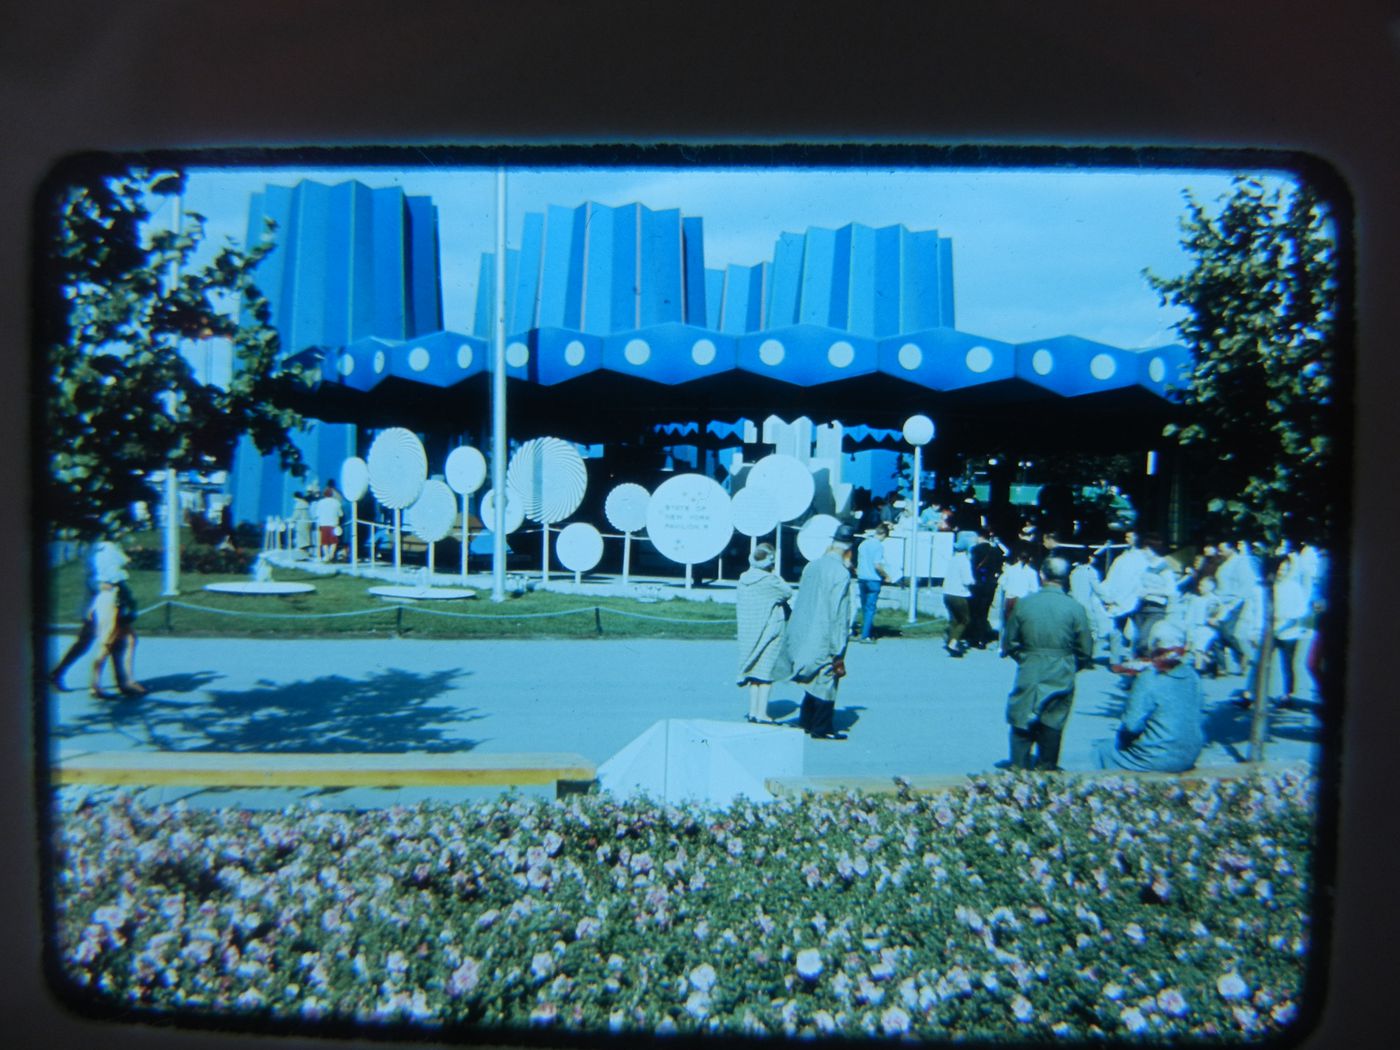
<point x="813" y="652"/>
<point x="1049" y="637"/>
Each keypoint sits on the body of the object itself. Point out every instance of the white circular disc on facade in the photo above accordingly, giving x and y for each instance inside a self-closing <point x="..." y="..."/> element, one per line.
<point x="637" y="352"/>
<point x="703" y="352"/>
<point x="579" y="547"/>
<point x="910" y="356"/>
<point x="419" y="359"/>
<point x="815" y="535"/>
<point x="689" y="519"/>
<point x="1102" y="366"/>
<point x="549" y="479"/>
<point x="841" y="354"/>
<point x="433" y="513"/>
<point x="464" y="356"/>
<point x="354" y="479"/>
<point x="517" y="355"/>
<point x="626" y="507"/>
<point x="397" y="467"/>
<point x="378" y="361"/>
<point x="771" y="352"/>
<point x="1157" y="370"/>
<point x="754" y="512"/>
<point x="465" y="470"/>
<point x="918" y="430"/>
<point x="573" y="353"/>
<point x="1042" y="361"/>
<point x="346" y="364"/>
<point x="979" y="359"/>
<point x="786" y="481"/>
<point x="515" y="517"/>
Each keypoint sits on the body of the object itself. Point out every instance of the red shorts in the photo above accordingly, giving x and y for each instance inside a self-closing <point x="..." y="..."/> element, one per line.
<point x="328" y="536"/>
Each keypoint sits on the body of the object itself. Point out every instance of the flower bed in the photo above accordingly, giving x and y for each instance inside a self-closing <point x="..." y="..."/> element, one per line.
<point x="1020" y="907"/>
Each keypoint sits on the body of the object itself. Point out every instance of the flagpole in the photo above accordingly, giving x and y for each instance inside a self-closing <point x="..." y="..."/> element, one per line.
<point x="498" y="403"/>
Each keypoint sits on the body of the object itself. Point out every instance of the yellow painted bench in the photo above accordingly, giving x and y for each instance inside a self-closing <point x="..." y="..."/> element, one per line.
<point x="567" y="771"/>
<point x="934" y="782"/>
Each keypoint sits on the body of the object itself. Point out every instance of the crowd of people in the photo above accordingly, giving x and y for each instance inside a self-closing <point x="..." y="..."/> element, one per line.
<point x="1159" y="621"/>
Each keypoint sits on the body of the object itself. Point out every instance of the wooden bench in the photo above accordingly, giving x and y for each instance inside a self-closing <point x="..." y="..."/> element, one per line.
<point x="935" y="782"/>
<point x="568" y="772"/>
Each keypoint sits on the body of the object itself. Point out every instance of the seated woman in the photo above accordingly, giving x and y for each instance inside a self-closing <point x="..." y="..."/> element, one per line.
<point x="1161" y="727"/>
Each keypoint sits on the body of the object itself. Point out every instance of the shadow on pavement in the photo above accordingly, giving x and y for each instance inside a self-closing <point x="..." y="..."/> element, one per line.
<point x="391" y="711"/>
<point x="1227" y="724"/>
<point x="845" y="717"/>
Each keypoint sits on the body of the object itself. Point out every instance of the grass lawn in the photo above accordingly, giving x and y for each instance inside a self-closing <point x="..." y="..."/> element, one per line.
<point x="341" y="607"/>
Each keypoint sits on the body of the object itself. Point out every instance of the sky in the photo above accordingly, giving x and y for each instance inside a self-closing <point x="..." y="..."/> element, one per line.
<point x="1037" y="253"/>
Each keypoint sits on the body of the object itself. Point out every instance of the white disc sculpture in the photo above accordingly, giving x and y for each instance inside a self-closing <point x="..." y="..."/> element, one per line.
<point x="788" y="483"/>
<point x="754" y="514"/>
<point x="690" y="520"/>
<point x="815" y="535"/>
<point x="465" y="471"/>
<point x="398" y="467"/>
<point x="580" y="548"/>
<point x="430" y="518"/>
<point x="354" y="483"/>
<point x="626" y="511"/>
<point x="549" y="478"/>
<point x="515" y="517"/>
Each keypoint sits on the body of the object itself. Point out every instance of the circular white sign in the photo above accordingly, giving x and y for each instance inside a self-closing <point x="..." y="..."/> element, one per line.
<point x="515" y="517"/>
<point x="626" y="507"/>
<point x="354" y="478"/>
<point x="580" y="547"/>
<point x="754" y="512"/>
<point x="815" y="535"/>
<point x="465" y="470"/>
<point x="689" y="518"/>
<point x="398" y="467"/>
<point x="786" y="481"/>
<point x="547" y="475"/>
<point x="433" y="513"/>
<point x="918" y="430"/>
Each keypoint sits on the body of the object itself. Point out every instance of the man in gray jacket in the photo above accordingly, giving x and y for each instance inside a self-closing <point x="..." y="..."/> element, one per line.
<point x="814" y="647"/>
<point x="1049" y="637"/>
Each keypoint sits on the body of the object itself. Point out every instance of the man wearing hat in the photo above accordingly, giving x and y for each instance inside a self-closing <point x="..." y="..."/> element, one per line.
<point x="813" y="652"/>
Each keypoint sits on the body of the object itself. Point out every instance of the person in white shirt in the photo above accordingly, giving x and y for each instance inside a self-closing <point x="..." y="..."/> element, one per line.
<point x="1018" y="579"/>
<point x="328" y="515"/>
<point x="1120" y="591"/>
<point x="957" y="590"/>
<point x="1084" y="584"/>
<point x="871" y="575"/>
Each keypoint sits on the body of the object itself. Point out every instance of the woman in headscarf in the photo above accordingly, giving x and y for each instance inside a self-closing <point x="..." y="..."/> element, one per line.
<point x="762" y="610"/>
<point x="1161" y="727"/>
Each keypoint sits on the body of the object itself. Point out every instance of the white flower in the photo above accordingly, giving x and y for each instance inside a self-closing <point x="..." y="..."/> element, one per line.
<point x="894" y="1021"/>
<point x="1021" y="1009"/>
<point x="704" y="977"/>
<point x="464" y="978"/>
<point x="545" y="1014"/>
<point x="1232" y="986"/>
<point x="1112" y="991"/>
<point x="542" y="965"/>
<point x="1284" y="1012"/>
<point x="698" y="1005"/>
<point x="1170" y="1001"/>
<point x="809" y="964"/>
<point x="826" y="1024"/>
<point x="1133" y="1020"/>
<point x="1134" y="933"/>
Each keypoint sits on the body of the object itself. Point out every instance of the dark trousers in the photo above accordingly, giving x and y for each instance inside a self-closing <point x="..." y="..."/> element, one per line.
<point x="817" y="716"/>
<point x="979" y="606"/>
<point x="1040" y="738"/>
<point x="959" y="616"/>
<point x="1147" y="616"/>
<point x="1287" y="654"/>
<point x="86" y="634"/>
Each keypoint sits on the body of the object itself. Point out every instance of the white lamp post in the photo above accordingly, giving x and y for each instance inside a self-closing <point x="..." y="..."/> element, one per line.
<point x="918" y="431"/>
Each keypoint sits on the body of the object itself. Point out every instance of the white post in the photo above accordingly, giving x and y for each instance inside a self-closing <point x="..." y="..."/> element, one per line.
<point x="466" y="536"/>
<point x="172" y="533"/>
<point x="626" y="556"/>
<point x="498" y="402"/>
<point x="398" y="545"/>
<point x="914" y="538"/>
<point x="354" y="535"/>
<point x="432" y="563"/>
<point x="544" y="554"/>
<point x="778" y="551"/>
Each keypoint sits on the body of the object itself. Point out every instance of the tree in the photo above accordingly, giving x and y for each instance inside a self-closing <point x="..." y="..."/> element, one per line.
<point x="1259" y="416"/>
<point x="121" y="400"/>
<point x="1259" y="410"/>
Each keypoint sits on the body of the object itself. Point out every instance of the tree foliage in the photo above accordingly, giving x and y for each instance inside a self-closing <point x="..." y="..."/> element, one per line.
<point x="121" y="399"/>
<point x="1260" y="412"/>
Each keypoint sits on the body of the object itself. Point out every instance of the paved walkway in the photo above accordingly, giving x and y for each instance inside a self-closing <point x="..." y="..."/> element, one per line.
<point x="908" y="707"/>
